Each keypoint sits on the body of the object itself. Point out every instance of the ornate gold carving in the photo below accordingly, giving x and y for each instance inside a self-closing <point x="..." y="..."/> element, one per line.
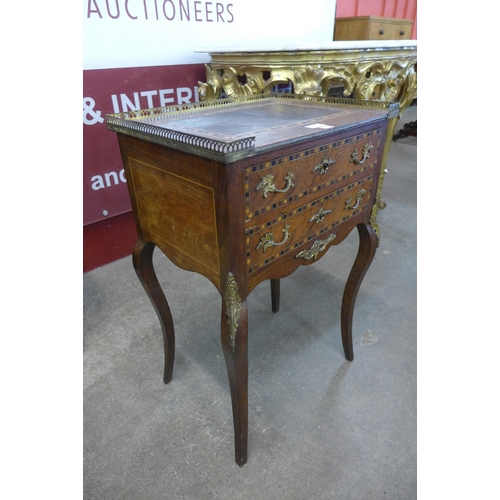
<point x="232" y="86"/>
<point x="367" y="149"/>
<point x="338" y="74"/>
<point x="323" y="166"/>
<point x="268" y="240"/>
<point x="233" y="308"/>
<point x="387" y="74"/>
<point x="308" y="81"/>
<point x="210" y="89"/>
<point x="316" y="249"/>
<point x="266" y="184"/>
<point x="385" y="80"/>
<point x="359" y="197"/>
<point x="320" y="216"/>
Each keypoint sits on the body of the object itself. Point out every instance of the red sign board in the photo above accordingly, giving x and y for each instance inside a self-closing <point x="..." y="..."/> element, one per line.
<point x="112" y="91"/>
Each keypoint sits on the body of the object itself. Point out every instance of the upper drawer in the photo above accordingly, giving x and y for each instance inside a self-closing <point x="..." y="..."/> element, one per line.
<point x="272" y="184"/>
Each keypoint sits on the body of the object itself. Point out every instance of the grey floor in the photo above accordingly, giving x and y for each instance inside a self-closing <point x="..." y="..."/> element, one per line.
<point x="319" y="427"/>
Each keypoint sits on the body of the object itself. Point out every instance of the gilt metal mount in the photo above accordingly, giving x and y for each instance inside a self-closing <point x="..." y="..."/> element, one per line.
<point x="233" y="308"/>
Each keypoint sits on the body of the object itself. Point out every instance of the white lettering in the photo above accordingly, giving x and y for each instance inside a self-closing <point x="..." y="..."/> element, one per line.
<point x="126" y="102"/>
<point x="116" y="107"/>
<point x="97" y="183"/>
<point x="90" y="117"/>
<point x="110" y="175"/>
<point x="104" y="181"/>
<point x="184" y="98"/>
<point x="166" y="100"/>
<point x="149" y="95"/>
<point x="141" y="100"/>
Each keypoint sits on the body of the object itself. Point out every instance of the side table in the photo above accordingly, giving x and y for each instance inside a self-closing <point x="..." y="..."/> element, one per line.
<point x="247" y="190"/>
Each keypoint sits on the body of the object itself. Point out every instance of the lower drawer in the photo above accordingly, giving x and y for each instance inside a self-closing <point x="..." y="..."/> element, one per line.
<point x="389" y="31"/>
<point x="277" y="237"/>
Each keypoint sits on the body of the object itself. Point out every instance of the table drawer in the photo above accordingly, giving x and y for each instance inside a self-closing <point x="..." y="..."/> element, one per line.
<point x="270" y="185"/>
<point x="372" y="28"/>
<point x="279" y="236"/>
<point x="380" y="31"/>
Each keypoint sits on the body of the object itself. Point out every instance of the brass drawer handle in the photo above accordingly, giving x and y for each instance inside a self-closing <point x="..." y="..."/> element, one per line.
<point x="366" y="154"/>
<point x="320" y="216"/>
<point x="316" y="249"/>
<point x="267" y="185"/>
<point x="359" y="197"/>
<point x="323" y="166"/>
<point x="268" y="240"/>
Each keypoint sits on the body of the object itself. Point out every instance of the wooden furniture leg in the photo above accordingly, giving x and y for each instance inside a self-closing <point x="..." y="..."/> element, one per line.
<point x="366" y="252"/>
<point x="275" y="295"/>
<point x="143" y="264"/>
<point x="409" y="129"/>
<point x="234" y="339"/>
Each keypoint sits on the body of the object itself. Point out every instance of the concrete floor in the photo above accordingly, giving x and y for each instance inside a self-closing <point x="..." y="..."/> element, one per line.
<point x="319" y="427"/>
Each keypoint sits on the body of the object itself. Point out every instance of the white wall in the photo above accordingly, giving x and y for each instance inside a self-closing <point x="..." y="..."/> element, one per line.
<point x="134" y="33"/>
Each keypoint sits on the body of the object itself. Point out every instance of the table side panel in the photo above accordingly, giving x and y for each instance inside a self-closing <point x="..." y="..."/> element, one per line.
<point x="173" y="200"/>
<point x="177" y="210"/>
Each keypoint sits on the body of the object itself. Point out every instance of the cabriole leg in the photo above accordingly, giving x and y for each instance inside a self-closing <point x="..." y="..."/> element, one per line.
<point x="143" y="265"/>
<point x="366" y="252"/>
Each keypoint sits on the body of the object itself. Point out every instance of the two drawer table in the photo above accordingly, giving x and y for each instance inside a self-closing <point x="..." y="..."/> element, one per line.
<point x="248" y="189"/>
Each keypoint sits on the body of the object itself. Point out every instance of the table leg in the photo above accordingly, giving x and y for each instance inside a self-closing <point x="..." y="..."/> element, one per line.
<point x="234" y="339"/>
<point x="275" y="295"/>
<point x="366" y="252"/>
<point x="143" y="264"/>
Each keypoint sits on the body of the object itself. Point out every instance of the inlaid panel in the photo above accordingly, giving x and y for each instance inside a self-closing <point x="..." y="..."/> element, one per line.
<point x="177" y="210"/>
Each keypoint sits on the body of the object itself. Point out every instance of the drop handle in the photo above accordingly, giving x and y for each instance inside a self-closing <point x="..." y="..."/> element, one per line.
<point x="267" y="185"/>
<point x="359" y="197"/>
<point x="268" y="239"/>
<point x="367" y="149"/>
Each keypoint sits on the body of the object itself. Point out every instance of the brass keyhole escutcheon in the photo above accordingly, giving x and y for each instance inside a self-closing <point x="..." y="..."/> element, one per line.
<point x="323" y="166"/>
<point x="320" y="216"/>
